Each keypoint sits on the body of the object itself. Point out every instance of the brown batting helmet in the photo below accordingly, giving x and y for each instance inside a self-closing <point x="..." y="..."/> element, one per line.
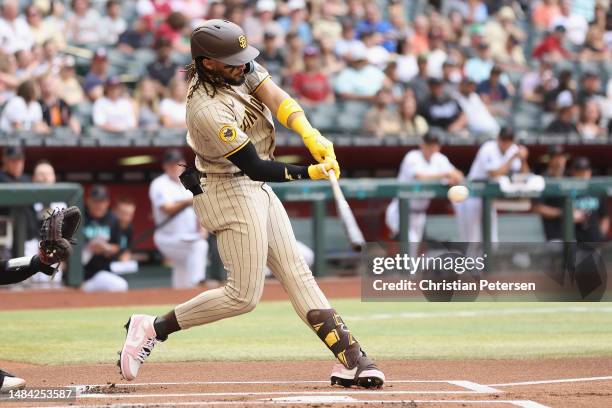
<point x="223" y="41"/>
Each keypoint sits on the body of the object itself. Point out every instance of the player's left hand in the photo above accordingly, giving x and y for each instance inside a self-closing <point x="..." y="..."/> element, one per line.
<point x="455" y="177"/>
<point x="56" y="235"/>
<point x="320" y="148"/>
<point x="321" y="171"/>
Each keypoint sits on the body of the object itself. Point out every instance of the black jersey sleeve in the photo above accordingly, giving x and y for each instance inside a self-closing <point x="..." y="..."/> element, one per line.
<point x="19" y="269"/>
<point x="247" y="160"/>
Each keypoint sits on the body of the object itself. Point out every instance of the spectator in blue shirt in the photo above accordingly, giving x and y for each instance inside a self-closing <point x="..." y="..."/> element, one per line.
<point x="93" y="85"/>
<point x="296" y="21"/>
<point x="495" y="94"/>
<point x="479" y="67"/>
<point x="359" y="81"/>
<point x="374" y="23"/>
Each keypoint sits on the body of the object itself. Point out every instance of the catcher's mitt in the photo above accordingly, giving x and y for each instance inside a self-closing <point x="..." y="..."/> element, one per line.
<point x="56" y="235"/>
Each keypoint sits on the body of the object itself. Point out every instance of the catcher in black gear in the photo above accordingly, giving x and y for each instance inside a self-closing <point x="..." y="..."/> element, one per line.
<point x="55" y="246"/>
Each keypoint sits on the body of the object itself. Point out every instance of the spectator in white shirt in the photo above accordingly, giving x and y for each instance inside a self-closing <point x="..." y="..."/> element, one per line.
<point x="23" y="112"/>
<point x="44" y="173"/>
<point x="343" y="45"/>
<point x="479" y="119"/>
<point x="55" y="22"/>
<point x="173" y="109"/>
<point x="114" y="112"/>
<point x="576" y="26"/>
<point x="424" y="164"/>
<point x="437" y="53"/>
<point x="113" y="23"/>
<point x="50" y="62"/>
<point x="179" y="236"/>
<point x="8" y="78"/>
<point x="26" y="65"/>
<point x="495" y="158"/>
<point x="84" y="26"/>
<point x="35" y="22"/>
<point x="377" y="55"/>
<point x="407" y="67"/>
<point x="15" y="33"/>
<point x="193" y="9"/>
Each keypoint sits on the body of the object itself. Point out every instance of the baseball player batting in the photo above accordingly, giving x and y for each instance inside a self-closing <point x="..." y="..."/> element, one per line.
<point x="230" y="104"/>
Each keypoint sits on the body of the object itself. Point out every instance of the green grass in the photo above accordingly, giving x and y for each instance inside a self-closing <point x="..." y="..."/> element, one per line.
<point x="274" y="332"/>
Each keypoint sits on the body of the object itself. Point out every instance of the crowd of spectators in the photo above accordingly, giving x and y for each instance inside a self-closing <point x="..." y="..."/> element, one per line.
<point x="456" y="60"/>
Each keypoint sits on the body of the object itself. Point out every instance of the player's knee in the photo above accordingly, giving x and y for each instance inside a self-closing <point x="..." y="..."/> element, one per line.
<point x="243" y="302"/>
<point x="120" y="285"/>
<point x="249" y="305"/>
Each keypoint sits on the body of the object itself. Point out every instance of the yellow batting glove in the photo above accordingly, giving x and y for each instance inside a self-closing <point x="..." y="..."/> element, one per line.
<point x="320" y="171"/>
<point x="320" y="148"/>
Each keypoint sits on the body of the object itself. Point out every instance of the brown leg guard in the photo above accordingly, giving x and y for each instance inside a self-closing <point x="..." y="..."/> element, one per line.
<point x="331" y="329"/>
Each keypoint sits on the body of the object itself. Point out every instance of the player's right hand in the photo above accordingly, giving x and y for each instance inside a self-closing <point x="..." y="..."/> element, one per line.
<point x="320" y="148"/>
<point x="321" y="171"/>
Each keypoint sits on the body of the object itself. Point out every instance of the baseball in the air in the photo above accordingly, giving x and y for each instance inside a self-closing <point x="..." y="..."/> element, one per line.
<point x="458" y="193"/>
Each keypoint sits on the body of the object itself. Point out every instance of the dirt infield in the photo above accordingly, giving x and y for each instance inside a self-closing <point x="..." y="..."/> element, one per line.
<point x="65" y="298"/>
<point x="577" y="382"/>
<point x="439" y="383"/>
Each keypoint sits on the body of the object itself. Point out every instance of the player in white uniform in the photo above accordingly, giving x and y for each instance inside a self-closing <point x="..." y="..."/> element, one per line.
<point x="495" y="158"/>
<point x="424" y="164"/>
<point x="181" y="239"/>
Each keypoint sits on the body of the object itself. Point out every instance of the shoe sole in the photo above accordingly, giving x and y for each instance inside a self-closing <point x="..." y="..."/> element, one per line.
<point x="20" y="386"/>
<point x="366" y="381"/>
<point x="127" y="327"/>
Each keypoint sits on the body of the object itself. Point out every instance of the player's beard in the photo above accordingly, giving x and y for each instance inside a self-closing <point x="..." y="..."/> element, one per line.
<point x="235" y="81"/>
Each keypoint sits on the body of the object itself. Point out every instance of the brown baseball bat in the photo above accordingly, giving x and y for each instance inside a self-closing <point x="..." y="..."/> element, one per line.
<point x="346" y="215"/>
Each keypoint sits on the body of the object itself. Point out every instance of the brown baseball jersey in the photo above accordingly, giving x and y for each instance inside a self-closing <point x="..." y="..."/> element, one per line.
<point x="251" y="224"/>
<point x="219" y="126"/>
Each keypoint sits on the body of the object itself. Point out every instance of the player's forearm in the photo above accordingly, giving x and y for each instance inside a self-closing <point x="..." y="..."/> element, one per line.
<point x="111" y="128"/>
<point x="19" y="269"/>
<point x="431" y="177"/>
<point x="288" y="111"/>
<point x="458" y="124"/>
<point x="503" y="169"/>
<point x="247" y="160"/>
<point x="172" y="208"/>
<point x="604" y="226"/>
<point x="292" y="116"/>
<point x="112" y="250"/>
<point x="547" y="211"/>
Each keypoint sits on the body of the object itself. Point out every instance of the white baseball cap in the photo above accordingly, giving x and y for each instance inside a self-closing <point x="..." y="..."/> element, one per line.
<point x="293" y="5"/>
<point x="565" y="99"/>
<point x="265" y="5"/>
<point x="357" y="51"/>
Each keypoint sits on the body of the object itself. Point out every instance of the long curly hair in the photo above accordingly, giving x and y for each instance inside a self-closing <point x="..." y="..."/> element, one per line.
<point x="210" y="81"/>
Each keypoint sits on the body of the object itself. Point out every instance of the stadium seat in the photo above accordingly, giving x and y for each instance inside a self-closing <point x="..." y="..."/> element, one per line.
<point x="526" y="121"/>
<point x="324" y="116"/>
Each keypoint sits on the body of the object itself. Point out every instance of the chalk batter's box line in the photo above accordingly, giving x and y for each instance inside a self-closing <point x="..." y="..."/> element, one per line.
<point x="455" y="382"/>
<point x="259" y="394"/>
<point x="471" y="387"/>
<point x="515" y="403"/>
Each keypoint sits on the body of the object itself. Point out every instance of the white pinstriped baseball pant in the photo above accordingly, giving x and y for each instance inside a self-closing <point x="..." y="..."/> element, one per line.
<point x="253" y="230"/>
